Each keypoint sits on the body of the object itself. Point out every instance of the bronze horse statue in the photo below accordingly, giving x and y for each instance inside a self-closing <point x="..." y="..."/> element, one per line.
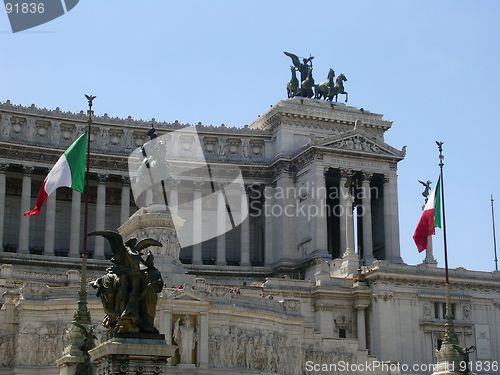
<point x="292" y="88"/>
<point x="306" y="86"/>
<point x="322" y="90"/>
<point x="338" y="88"/>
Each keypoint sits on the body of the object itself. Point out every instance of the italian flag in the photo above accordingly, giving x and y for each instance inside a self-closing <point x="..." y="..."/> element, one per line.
<point x="430" y="219"/>
<point x="68" y="171"/>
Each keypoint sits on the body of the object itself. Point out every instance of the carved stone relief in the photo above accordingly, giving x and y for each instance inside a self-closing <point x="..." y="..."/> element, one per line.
<point x="234" y="347"/>
<point x="40" y="344"/>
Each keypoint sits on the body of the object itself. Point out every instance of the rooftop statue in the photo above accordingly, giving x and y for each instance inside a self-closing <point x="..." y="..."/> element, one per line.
<point x="129" y="288"/>
<point x="326" y="90"/>
<point x="427" y="189"/>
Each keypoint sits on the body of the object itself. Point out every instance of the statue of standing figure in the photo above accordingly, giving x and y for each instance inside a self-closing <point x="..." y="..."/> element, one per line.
<point x="306" y="80"/>
<point x="185" y="338"/>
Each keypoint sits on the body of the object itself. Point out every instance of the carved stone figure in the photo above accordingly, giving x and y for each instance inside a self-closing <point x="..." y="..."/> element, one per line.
<point x="254" y="349"/>
<point x="222" y="147"/>
<point x="427" y="310"/>
<point x="185" y="337"/>
<point x="127" y="288"/>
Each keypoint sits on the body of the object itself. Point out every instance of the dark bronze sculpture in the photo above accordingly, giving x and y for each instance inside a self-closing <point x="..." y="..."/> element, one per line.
<point x="338" y="88"/>
<point x="306" y="86"/>
<point x="129" y="289"/>
<point x="326" y="90"/>
<point x="303" y="67"/>
<point x="306" y="79"/>
<point x="292" y="88"/>
<point x="427" y="189"/>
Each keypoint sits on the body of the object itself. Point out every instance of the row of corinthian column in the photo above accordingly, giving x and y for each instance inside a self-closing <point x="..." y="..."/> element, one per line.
<point x="50" y="215"/>
<point x="272" y="226"/>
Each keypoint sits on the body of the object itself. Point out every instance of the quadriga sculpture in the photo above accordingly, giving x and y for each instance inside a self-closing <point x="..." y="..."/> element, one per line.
<point x="129" y="290"/>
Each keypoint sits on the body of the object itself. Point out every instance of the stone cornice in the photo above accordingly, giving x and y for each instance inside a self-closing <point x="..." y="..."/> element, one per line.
<point x="129" y="122"/>
<point x="320" y="113"/>
<point x="412" y="276"/>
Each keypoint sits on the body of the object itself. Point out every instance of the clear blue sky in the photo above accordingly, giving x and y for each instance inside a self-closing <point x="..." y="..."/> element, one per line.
<point x="432" y="67"/>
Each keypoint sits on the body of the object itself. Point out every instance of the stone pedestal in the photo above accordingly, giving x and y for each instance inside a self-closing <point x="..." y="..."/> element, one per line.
<point x="157" y="222"/>
<point x="123" y="355"/>
<point x="69" y="364"/>
<point x="348" y="267"/>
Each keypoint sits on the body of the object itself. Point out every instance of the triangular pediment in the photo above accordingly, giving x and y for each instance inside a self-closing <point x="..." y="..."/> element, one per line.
<point x="185" y="295"/>
<point x="358" y="142"/>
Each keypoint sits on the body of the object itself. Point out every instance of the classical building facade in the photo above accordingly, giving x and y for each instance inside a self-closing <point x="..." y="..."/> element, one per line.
<point x="314" y="275"/>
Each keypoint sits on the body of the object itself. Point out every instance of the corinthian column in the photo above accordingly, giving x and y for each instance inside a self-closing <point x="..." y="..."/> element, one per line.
<point x="361" y="326"/>
<point x="197" y="224"/>
<point x="245" y="229"/>
<point x="387" y="220"/>
<point x="50" y="223"/>
<point x="318" y="211"/>
<point x="100" y="216"/>
<point x="349" y="200"/>
<point x="173" y="197"/>
<point x="396" y="256"/>
<point x="125" y="201"/>
<point x="342" y="221"/>
<point x="74" y="236"/>
<point x="221" y="229"/>
<point x="3" y="169"/>
<point x="268" y="225"/>
<point x="367" y="220"/>
<point x="24" y="225"/>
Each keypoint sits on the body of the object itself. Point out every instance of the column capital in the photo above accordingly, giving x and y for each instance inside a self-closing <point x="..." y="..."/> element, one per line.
<point x="4" y="167"/>
<point x="172" y="182"/>
<point x="125" y="180"/>
<point x="28" y="170"/>
<point x="198" y="184"/>
<point x="366" y="176"/>
<point x="102" y="178"/>
<point x="361" y="306"/>
<point x="346" y="173"/>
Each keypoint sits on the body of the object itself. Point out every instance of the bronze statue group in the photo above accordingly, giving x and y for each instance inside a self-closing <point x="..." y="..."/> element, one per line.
<point x="129" y="290"/>
<point x="326" y="90"/>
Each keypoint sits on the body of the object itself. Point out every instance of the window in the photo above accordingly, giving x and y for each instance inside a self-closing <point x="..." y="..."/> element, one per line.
<point x="440" y="310"/>
<point x="342" y="333"/>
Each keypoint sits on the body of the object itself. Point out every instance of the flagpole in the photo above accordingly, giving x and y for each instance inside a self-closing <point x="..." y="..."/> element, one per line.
<point x="81" y="325"/>
<point x="82" y="302"/>
<point x="494" y="234"/>
<point x="450" y="336"/>
<point x="83" y="312"/>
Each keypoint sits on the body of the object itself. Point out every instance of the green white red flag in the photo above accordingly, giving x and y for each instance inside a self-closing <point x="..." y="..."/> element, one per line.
<point x="68" y="171"/>
<point x="430" y="219"/>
